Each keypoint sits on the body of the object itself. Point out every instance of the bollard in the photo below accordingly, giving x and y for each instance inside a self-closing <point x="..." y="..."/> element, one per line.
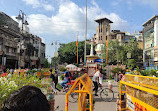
<point x="51" y="101"/>
<point x="110" y="85"/>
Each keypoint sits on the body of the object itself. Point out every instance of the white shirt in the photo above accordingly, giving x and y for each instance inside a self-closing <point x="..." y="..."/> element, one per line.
<point x="100" y="78"/>
<point x="95" y="76"/>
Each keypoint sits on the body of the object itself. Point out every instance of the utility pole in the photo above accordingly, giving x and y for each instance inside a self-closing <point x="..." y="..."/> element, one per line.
<point x="107" y="48"/>
<point x="85" y="37"/>
<point x="77" y="48"/>
<point x="21" y="17"/>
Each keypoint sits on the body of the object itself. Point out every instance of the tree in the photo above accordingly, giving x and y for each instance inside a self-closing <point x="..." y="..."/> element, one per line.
<point x="117" y="52"/>
<point x="55" y="62"/>
<point x="68" y="52"/>
<point x="46" y="63"/>
<point x="131" y="64"/>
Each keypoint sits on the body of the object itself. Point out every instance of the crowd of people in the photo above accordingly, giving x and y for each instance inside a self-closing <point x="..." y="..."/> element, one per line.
<point x="34" y="99"/>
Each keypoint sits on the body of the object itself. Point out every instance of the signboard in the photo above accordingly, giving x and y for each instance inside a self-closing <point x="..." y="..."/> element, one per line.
<point x="99" y="60"/>
<point x="128" y="55"/>
<point x="130" y="104"/>
<point x="145" y="64"/>
<point x="151" y="63"/>
<point x="55" y="54"/>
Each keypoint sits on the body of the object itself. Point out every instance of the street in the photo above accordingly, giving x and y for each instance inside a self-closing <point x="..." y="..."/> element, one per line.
<point x="99" y="105"/>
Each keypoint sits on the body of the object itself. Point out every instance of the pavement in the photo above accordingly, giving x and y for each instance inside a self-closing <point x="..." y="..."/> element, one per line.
<point x="99" y="104"/>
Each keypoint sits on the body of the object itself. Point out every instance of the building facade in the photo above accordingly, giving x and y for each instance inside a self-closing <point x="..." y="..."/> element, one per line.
<point x="150" y="36"/>
<point x="101" y="36"/>
<point x="9" y="32"/>
<point x="19" y="49"/>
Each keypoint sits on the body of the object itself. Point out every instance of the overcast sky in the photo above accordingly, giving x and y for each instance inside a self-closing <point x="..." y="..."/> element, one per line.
<point x="62" y="19"/>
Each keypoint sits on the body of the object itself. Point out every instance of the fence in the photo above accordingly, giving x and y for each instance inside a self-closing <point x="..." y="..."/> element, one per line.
<point x="82" y="86"/>
<point x="141" y="93"/>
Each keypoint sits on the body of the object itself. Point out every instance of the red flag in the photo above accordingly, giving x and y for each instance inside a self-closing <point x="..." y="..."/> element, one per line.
<point x="107" y="42"/>
<point x="77" y="41"/>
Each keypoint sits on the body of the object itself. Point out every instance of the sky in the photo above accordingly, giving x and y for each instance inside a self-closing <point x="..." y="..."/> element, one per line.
<point x="63" y="20"/>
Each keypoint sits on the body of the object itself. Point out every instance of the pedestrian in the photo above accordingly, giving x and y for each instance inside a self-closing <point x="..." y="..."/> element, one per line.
<point x="67" y="78"/>
<point x="97" y="79"/>
<point x="120" y="75"/>
<point x="54" y="79"/>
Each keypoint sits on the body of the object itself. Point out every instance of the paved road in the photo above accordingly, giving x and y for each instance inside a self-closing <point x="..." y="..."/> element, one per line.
<point x="99" y="105"/>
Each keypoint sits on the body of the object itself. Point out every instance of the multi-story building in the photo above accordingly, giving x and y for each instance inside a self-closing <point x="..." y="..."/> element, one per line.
<point x="9" y="31"/>
<point x="150" y="35"/>
<point x="102" y="32"/>
<point x="117" y="35"/>
<point x="19" y="49"/>
<point x="35" y="51"/>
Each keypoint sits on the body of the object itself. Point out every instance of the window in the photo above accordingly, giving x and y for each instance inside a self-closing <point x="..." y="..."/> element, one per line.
<point x="7" y="49"/>
<point x="106" y="37"/>
<point x="99" y="37"/>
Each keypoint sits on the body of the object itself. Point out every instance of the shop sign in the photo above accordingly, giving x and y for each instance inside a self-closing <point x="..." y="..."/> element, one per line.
<point x="130" y="104"/>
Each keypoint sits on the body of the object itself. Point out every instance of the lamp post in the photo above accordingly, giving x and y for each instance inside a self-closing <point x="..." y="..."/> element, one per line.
<point x="21" y="17"/>
<point x="85" y="37"/>
<point x="56" y="43"/>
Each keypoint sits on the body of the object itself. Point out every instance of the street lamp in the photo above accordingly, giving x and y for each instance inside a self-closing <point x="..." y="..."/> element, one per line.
<point x="21" y="17"/>
<point x="56" y="43"/>
<point x="85" y="37"/>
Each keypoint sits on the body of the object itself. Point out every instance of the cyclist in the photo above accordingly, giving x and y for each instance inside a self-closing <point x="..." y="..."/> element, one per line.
<point x="97" y="79"/>
<point x="67" y="78"/>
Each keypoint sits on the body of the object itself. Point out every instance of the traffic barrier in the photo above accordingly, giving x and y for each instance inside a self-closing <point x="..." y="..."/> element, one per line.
<point x="141" y="93"/>
<point x="83" y="86"/>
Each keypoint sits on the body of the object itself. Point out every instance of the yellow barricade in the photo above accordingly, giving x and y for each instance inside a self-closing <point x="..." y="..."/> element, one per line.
<point x="83" y="86"/>
<point x="141" y="93"/>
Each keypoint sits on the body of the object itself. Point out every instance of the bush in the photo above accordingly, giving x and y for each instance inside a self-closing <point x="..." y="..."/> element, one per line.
<point x="62" y="69"/>
<point x="62" y="77"/>
<point x="116" y="70"/>
<point x="9" y="85"/>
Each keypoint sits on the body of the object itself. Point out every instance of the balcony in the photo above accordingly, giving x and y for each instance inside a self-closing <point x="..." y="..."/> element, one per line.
<point x="11" y="54"/>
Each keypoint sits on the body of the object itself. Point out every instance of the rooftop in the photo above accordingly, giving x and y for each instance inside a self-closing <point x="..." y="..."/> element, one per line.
<point x="151" y="19"/>
<point x="103" y="19"/>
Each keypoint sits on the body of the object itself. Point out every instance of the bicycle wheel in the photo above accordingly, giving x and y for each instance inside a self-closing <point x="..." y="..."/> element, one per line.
<point x="73" y="97"/>
<point x="107" y="95"/>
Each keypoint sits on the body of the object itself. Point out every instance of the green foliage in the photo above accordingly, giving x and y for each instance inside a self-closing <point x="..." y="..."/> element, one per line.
<point x="9" y="85"/>
<point x="46" y="63"/>
<point x="148" y="72"/>
<point x="117" y="52"/>
<point x="59" y="86"/>
<point x="55" y="61"/>
<point x="131" y="64"/>
<point x="62" y="77"/>
<point x="87" y="105"/>
<point x="68" y="52"/>
<point x="63" y="69"/>
<point x="116" y="70"/>
<point x="110" y="77"/>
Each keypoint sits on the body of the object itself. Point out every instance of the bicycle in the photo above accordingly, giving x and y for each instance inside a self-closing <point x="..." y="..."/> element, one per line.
<point x="73" y="96"/>
<point x="106" y="94"/>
